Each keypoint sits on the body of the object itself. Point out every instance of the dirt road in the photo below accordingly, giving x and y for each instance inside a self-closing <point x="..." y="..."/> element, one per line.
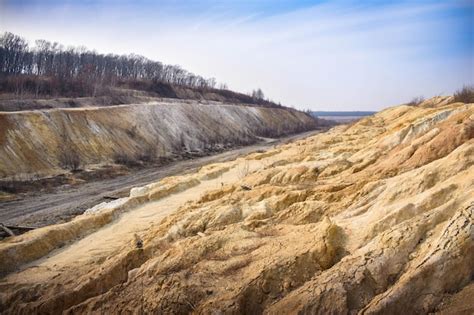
<point x="67" y="202"/>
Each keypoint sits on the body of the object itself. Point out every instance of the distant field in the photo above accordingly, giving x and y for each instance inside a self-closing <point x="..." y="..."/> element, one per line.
<point x="355" y="113"/>
<point x="341" y="116"/>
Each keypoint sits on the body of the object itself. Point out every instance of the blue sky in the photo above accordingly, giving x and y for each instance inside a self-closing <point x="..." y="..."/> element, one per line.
<point x="323" y="55"/>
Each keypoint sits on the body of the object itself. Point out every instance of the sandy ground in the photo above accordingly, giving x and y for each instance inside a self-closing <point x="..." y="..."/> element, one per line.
<point x="461" y="303"/>
<point x="65" y="203"/>
<point x="111" y="239"/>
<point x="372" y="218"/>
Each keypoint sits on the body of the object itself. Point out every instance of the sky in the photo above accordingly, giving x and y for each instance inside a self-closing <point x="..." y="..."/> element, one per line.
<point x="319" y="55"/>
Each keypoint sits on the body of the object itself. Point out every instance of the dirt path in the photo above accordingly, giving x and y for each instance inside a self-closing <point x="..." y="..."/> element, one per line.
<point x="45" y="209"/>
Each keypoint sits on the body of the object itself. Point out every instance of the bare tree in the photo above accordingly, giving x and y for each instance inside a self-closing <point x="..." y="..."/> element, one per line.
<point x="88" y="68"/>
<point x="258" y="94"/>
<point x="69" y="158"/>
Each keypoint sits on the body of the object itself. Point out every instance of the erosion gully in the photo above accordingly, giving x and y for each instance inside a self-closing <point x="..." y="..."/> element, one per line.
<point x="63" y="203"/>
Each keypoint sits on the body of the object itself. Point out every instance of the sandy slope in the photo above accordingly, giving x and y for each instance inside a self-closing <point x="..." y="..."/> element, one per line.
<point x="37" y="143"/>
<point x="376" y="217"/>
<point x="49" y="208"/>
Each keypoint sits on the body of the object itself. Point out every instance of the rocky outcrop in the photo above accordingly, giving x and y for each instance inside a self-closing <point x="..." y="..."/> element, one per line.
<point x="372" y="218"/>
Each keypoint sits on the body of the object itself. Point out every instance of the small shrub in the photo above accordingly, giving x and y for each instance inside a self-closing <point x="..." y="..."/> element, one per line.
<point x="125" y="159"/>
<point x="148" y="155"/>
<point x="69" y="159"/>
<point x="9" y="186"/>
<point x="132" y="133"/>
<point x="416" y="101"/>
<point x="243" y="170"/>
<point x="464" y="95"/>
<point x="72" y="104"/>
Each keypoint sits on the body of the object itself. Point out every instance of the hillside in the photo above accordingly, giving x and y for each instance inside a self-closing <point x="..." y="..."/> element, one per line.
<point x="373" y="217"/>
<point x="134" y="94"/>
<point x="49" y="142"/>
<point x="75" y="77"/>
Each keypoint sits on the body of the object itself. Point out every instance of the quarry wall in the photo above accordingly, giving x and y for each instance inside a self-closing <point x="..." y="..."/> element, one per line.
<point x="38" y="142"/>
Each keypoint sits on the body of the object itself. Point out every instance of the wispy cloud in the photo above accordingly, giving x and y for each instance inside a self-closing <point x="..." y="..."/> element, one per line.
<point x="326" y="55"/>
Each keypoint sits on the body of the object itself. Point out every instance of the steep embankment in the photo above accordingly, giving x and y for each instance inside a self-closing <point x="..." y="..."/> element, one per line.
<point x="44" y="142"/>
<point x="376" y="217"/>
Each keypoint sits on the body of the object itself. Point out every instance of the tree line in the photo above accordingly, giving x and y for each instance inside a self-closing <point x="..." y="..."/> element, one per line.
<point x="50" y="69"/>
<point x="79" y="65"/>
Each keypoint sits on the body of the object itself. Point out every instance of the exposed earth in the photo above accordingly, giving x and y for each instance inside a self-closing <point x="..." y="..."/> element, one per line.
<point x="376" y="217"/>
<point x="43" y="143"/>
<point x="34" y="209"/>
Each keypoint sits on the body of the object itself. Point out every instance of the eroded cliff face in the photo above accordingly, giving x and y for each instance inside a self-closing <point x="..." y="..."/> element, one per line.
<point x="38" y="142"/>
<point x="375" y="217"/>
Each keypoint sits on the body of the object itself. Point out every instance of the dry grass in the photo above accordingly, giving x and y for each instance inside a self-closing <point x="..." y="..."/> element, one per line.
<point x="464" y="95"/>
<point x="243" y="170"/>
<point x="149" y="154"/>
<point x="416" y="101"/>
<point x="126" y="159"/>
<point x="69" y="159"/>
